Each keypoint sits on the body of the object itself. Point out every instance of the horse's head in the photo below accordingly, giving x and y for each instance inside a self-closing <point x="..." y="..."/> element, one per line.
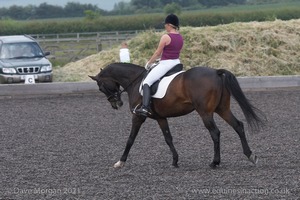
<point x="110" y="88"/>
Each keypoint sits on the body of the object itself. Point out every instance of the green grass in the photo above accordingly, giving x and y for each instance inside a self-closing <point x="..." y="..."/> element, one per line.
<point x="203" y="17"/>
<point x="215" y="10"/>
<point x="238" y="8"/>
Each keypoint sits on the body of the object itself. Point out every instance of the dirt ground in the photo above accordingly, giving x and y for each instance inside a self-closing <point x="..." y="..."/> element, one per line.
<point x="64" y="147"/>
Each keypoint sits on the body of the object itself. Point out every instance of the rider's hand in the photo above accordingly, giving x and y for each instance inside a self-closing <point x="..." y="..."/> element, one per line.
<point x="148" y="66"/>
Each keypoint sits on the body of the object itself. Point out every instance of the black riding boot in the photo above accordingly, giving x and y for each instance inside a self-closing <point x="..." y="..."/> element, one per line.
<point x="145" y="109"/>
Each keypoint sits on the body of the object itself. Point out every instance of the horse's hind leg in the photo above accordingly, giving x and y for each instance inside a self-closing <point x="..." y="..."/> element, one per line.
<point x="239" y="128"/>
<point x="163" y="123"/>
<point x="210" y="124"/>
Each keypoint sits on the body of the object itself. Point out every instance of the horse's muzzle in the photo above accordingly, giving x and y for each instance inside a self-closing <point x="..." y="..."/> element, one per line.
<point x="115" y="101"/>
<point x="116" y="104"/>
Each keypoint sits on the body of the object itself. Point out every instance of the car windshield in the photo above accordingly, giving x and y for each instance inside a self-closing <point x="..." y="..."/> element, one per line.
<point x="20" y="50"/>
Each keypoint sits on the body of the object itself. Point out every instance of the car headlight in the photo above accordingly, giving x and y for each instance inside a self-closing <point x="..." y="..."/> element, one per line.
<point x="9" y="70"/>
<point x="46" y="68"/>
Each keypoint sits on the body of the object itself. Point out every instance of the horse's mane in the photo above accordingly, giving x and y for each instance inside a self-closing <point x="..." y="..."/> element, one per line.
<point x="121" y="66"/>
<point x="127" y="65"/>
<point x="127" y="69"/>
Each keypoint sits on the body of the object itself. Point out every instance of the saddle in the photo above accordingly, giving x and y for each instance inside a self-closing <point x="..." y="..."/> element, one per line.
<point x="175" y="69"/>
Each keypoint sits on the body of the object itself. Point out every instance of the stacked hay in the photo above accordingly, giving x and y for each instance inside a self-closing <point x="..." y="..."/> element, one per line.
<point x="246" y="49"/>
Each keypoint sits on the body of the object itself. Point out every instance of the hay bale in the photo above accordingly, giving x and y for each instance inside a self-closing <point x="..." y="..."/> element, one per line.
<point x="246" y="49"/>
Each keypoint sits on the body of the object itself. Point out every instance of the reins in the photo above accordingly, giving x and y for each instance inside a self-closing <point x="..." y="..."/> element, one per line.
<point x="125" y="88"/>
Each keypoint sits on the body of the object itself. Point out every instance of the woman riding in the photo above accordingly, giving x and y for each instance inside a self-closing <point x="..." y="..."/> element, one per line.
<point x="168" y="51"/>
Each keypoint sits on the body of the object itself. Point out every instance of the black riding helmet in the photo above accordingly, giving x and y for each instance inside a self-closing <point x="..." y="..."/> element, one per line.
<point x="172" y="19"/>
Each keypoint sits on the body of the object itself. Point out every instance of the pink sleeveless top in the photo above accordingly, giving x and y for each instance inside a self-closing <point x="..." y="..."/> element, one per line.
<point x="172" y="50"/>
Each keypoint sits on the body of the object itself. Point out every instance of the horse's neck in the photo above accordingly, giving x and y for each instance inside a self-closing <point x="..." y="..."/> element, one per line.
<point x="129" y="77"/>
<point x="131" y="80"/>
<point x="126" y="76"/>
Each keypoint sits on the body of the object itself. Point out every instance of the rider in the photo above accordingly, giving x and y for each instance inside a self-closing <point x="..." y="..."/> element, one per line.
<point x="168" y="51"/>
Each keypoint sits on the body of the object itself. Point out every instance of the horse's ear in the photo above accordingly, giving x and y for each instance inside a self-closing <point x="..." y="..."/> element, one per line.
<point x="93" y="78"/>
<point x="101" y="69"/>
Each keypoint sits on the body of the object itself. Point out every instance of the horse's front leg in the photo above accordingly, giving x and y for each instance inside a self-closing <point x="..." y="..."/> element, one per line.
<point x="163" y="123"/>
<point x="137" y="121"/>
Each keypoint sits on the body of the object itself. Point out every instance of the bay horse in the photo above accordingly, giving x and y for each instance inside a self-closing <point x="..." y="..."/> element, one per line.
<point x="203" y="89"/>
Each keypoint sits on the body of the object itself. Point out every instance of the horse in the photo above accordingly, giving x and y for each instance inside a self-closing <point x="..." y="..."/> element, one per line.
<point x="201" y="89"/>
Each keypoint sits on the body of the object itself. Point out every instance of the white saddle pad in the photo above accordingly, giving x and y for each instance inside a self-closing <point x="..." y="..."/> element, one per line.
<point x="162" y="86"/>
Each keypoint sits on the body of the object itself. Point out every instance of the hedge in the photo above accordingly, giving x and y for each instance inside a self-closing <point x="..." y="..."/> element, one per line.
<point x="146" y="21"/>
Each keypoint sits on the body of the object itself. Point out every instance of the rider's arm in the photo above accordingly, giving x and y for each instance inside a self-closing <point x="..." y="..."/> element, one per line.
<point x="164" y="40"/>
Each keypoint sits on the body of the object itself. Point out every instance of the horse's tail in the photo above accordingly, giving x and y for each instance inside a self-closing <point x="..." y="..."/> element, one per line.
<point x="252" y="114"/>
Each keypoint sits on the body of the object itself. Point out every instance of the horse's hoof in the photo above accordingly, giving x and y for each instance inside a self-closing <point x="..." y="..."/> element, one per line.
<point x="253" y="158"/>
<point x="175" y="165"/>
<point x="214" y="165"/>
<point x="119" y="164"/>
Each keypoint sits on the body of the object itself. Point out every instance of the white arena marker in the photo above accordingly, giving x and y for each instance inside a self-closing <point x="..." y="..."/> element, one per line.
<point x="29" y="79"/>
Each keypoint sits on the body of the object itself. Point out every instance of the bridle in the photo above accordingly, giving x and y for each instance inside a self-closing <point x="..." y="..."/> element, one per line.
<point x="114" y="96"/>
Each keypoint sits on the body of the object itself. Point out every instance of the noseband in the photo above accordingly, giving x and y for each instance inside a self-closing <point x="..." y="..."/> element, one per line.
<point x="114" y="97"/>
<point x="111" y="95"/>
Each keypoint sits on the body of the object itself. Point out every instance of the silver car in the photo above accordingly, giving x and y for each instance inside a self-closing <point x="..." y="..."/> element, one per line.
<point x="20" y="57"/>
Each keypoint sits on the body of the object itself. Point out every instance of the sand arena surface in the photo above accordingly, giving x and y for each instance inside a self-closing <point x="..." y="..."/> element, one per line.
<point x="64" y="147"/>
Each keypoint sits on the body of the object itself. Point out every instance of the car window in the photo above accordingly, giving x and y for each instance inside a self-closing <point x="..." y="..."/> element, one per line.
<point x="5" y="53"/>
<point x="20" y="50"/>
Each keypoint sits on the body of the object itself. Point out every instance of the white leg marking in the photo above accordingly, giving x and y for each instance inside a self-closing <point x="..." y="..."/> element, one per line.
<point x="253" y="158"/>
<point x="119" y="164"/>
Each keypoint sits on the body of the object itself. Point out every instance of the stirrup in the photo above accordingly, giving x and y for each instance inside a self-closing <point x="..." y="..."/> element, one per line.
<point x="142" y="111"/>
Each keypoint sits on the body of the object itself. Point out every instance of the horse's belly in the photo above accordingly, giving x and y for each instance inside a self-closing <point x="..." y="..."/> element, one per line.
<point x="174" y="110"/>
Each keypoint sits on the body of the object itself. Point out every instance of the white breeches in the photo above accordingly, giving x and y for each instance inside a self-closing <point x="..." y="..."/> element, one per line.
<point x="161" y="69"/>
